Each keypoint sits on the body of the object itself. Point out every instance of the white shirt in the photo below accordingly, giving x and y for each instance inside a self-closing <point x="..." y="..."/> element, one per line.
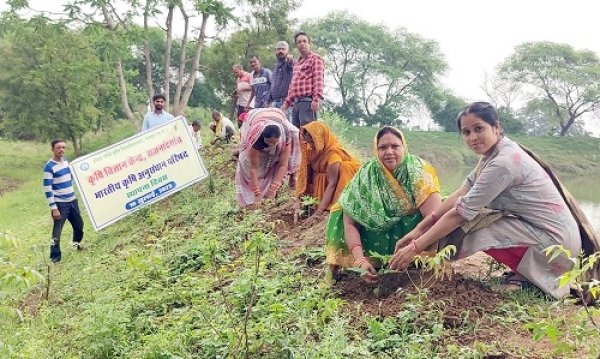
<point x="196" y="137"/>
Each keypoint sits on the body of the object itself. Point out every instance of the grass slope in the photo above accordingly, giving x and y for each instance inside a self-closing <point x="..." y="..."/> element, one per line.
<point x="194" y="277"/>
<point x="570" y="155"/>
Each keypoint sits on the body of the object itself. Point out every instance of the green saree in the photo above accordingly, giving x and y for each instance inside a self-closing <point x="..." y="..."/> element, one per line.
<point x="383" y="204"/>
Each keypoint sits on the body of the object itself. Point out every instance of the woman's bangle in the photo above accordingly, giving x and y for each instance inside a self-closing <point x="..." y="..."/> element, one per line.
<point x="360" y="261"/>
<point x="414" y="245"/>
<point x="354" y="246"/>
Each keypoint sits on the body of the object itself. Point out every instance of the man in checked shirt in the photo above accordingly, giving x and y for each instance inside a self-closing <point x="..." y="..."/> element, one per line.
<point x="306" y="90"/>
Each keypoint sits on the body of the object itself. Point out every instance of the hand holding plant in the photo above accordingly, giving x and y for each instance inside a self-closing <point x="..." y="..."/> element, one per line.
<point x="403" y="256"/>
<point x="367" y="270"/>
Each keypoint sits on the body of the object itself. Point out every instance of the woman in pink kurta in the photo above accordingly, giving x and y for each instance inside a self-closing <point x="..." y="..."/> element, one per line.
<point x="268" y="152"/>
<point x="532" y="213"/>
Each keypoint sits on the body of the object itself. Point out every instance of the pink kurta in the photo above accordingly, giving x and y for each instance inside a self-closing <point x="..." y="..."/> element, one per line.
<point x="269" y="160"/>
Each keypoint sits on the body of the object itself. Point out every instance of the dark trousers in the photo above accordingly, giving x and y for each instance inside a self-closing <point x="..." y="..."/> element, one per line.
<point x="68" y="211"/>
<point x="302" y="113"/>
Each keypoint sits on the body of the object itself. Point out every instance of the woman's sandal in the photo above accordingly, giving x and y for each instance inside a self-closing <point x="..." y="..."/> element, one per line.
<point x="516" y="279"/>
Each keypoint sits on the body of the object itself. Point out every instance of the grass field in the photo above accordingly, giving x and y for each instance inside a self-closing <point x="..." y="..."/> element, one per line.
<point x="194" y="277"/>
<point x="568" y="155"/>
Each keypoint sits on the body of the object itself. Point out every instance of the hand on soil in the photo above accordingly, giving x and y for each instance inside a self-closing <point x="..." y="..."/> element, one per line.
<point x="315" y="218"/>
<point x="270" y="194"/>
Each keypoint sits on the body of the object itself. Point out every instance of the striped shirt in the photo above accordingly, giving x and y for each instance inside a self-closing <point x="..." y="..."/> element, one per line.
<point x="58" y="184"/>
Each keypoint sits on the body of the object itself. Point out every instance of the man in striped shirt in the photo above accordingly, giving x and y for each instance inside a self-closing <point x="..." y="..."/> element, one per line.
<point x="58" y="188"/>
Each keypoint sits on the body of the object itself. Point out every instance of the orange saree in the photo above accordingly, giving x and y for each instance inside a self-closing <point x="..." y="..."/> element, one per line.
<point x="326" y="150"/>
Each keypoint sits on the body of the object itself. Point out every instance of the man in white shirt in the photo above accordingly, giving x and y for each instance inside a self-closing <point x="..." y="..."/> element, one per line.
<point x="158" y="116"/>
<point x="194" y="129"/>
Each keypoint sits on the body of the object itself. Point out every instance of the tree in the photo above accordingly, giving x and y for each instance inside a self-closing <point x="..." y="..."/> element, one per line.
<point x="377" y="72"/>
<point x="510" y="122"/>
<point x="566" y="79"/>
<point x="444" y="107"/>
<point x="263" y="24"/>
<point x="53" y="90"/>
<point x="120" y="22"/>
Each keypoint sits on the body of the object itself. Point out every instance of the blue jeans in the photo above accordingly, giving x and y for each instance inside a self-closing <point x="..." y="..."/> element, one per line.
<point x="288" y="113"/>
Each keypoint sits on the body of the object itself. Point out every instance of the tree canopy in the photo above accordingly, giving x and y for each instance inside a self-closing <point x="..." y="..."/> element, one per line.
<point x="565" y="80"/>
<point x="48" y="89"/>
<point x="379" y="74"/>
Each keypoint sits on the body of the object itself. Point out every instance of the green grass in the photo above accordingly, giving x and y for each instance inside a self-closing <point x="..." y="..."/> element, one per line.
<point x="178" y="280"/>
<point x="570" y="155"/>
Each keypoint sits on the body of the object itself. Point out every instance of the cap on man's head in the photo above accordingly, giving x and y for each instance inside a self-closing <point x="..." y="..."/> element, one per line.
<point x="282" y="45"/>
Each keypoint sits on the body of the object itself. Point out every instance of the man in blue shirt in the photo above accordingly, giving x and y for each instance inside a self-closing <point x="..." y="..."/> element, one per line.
<point x="58" y="188"/>
<point x="261" y="84"/>
<point x="158" y="117"/>
<point x="282" y="76"/>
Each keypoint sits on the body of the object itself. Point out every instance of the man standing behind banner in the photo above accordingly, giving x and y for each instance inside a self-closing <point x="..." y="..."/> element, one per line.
<point x="282" y="76"/>
<point x="58" y="188"/>
<point x="158" y="116"/>
<point x="306" y="90"/>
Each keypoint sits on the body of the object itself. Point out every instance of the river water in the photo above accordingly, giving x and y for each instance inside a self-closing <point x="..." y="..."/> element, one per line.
<point x="586" y="189"/>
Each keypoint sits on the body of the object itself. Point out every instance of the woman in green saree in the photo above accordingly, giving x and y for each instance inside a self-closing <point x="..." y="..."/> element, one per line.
<point x="387" y="198"/>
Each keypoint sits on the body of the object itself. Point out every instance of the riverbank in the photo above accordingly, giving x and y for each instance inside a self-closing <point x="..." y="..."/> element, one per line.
<point x="566" y="155"/>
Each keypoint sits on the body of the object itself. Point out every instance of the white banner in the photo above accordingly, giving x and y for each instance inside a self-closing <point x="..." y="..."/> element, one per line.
<point x="147" y="167"/>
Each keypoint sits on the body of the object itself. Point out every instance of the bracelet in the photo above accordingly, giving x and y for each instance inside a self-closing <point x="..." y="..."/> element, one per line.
<point x="414" y="245"/>
<point x="275" y="186"/>
<point x="360" y="261"/>
<point x="354" y="246"/>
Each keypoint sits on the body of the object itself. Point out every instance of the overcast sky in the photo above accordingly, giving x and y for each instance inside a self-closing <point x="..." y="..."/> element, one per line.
<point x="475" y="36"/>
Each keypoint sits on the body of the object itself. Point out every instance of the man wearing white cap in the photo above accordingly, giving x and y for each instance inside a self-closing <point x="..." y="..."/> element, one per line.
<point x="282" y="76"/>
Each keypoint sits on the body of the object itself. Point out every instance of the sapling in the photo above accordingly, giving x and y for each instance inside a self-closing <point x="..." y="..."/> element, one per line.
<point x="307" y="205"/>
<point x="383" y="261"/>
<point x="577" y="277"/>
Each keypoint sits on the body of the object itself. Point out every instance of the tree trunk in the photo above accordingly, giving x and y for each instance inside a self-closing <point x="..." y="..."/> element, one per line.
<point x="167" y="80"/>
<point x="76" y="145"/>
<point x="565" y="128"/>
<point x="189" y="86"/>
<point x="124" y="101"/>
<point x="110" y="25"/>
<point x="182" y="55"/>
<point x="147" y="59"/>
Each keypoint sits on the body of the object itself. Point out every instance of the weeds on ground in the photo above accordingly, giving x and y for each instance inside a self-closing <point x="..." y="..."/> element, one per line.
<point x="567" y="334"/>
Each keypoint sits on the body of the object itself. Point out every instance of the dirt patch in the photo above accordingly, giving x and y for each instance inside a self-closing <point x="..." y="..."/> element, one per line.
<point x="478" y="266"/>
<point x="296" y="236"/>
<point x="32" y="302"/>
<point x="8" y="184"/>
<point x="465" y="300"/>
<point x="466" y="306"/>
